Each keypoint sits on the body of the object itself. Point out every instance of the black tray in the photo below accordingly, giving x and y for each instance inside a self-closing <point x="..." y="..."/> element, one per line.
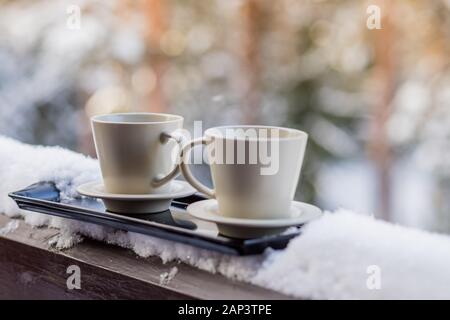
<point x="174" y="224"/>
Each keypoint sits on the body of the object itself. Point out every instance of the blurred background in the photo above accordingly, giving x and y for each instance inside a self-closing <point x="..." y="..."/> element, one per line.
<point x="376" y="102"/>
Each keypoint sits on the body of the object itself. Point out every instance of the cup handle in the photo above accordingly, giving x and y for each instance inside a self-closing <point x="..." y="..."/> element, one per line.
<point x="185" y="152"/>
<point x="164" y="138"/>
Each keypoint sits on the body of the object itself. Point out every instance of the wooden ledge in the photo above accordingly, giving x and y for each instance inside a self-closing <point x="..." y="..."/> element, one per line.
<point x="30" y="269"/>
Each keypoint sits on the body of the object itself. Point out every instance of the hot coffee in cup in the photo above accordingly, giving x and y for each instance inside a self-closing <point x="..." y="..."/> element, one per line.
<point x="255" y="169"/>
<point x="135" y="151"/>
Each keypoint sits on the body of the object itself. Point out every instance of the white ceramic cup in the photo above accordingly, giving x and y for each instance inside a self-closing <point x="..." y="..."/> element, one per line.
<point x="246" y="186"/>
<point x="135" y="151"/>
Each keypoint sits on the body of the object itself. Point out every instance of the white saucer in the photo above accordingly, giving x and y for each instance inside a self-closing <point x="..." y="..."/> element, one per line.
<point x="136" y="203"/>
<point x="252" y="228"/>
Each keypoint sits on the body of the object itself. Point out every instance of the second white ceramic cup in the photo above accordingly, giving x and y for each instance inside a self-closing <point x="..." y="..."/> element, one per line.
<point x="255" y="169"/>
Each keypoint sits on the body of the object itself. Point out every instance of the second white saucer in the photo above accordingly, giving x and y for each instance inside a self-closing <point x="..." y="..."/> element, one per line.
<point x="136" y="203"/>
<point x="208" y="210"/>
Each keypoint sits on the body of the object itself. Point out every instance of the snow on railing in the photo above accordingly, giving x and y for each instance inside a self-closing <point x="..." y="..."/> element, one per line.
<point x="342" y="255"/>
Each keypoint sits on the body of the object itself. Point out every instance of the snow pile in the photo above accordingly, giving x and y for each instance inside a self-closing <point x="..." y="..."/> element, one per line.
<point x="22" y="165"/>
<point x="343" y="255"/>
<point x="348" y="256"/>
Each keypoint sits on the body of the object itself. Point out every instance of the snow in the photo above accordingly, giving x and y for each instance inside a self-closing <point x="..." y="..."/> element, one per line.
<point x="343" y="255"/>
<point x="166" y="277"/>
<point x="333" y="257"/>
<point x="10" y="227"/>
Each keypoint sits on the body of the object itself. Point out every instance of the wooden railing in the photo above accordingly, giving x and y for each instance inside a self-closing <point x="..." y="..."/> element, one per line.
<point x="31" y="269"/>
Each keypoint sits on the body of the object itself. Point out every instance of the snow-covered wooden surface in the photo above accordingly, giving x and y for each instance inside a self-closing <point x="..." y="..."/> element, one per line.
<point x="343" y="255"/>
<point x="31" y="268"/>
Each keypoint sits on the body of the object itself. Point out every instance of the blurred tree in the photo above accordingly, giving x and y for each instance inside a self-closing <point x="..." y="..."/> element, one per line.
<point x="157" y="19"/>
<point x="385" y="77"/>
<point x="306" y="113"/>
<point x="252" y="25"/>
<point x="322" y="94"/>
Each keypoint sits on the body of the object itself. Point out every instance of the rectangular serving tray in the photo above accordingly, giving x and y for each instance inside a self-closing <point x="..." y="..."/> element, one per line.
<point x="174" y="224"/>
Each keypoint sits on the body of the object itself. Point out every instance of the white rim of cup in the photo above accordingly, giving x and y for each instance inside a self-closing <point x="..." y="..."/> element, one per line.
<point x="174" y="118"/>
<point x="298" y="133"/>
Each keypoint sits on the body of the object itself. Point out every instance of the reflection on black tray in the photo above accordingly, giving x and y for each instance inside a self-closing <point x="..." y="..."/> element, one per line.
<point x="164" y="217"/>
<point x="167" y="218"/>
<point x="174" y="224"/>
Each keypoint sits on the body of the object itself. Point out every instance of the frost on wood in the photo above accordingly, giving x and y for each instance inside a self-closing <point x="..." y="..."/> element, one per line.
<point x="330" y="260"/>
<point x="9" y="227"/>
<point x="166" y="277"/>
